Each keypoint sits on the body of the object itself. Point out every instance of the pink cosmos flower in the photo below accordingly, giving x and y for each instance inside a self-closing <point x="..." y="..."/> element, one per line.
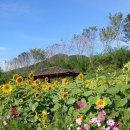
<point x="14" y="111"/>
<point x="13" y="116"/>
<point x="4" y="122"/>
<point x="86" y="126"/>
<point x="115" y="128"/>
<point x="94" y="120"/>
<point x="80" y="104"/>
<point x="101" y="116"/>
<point x="75" y="110"/>
<point x="78" y="128"/>
<point x="104" y="128"/>
<point x="108" y="128"/>
<point x="99" y="107"/>
<point x="78" y="121"/>
<point x="110" y="122"/>
<point x="8" y="117"/>
<point x="55" y="129"/>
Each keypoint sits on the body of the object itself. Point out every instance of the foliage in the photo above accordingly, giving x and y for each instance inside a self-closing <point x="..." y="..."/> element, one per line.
<point x="106" y="37"/>
<point x="16" y="124"/>
<point x="98" y="102"/>
<point x="116" y="23"/>
<point x="37" y="54"/>
<point x="126" y="29"/>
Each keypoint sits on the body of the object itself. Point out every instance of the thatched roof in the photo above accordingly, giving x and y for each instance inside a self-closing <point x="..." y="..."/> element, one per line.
<point x="55" y="70"/>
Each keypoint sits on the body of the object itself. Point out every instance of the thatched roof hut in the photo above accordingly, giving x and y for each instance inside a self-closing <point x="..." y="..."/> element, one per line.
<point x="56" y="72"/>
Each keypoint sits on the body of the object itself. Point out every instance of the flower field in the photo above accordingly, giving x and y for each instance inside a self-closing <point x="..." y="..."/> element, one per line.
<point x="98" y="103"/>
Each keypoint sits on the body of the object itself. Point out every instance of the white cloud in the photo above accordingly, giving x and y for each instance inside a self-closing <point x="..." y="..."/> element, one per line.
<point x="3" y="49"/>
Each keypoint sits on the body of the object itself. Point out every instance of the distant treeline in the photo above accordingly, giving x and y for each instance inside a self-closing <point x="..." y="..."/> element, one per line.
<point x="111" y="61"/>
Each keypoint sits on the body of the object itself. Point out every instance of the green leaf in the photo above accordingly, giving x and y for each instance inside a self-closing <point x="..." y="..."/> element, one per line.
<point x="30" y="104"/>
<point x="84" y="109"/>
<point x="123" y="88"/>
<point x="71" y="109"/>
<point x="83" y="100"/>
<point x="92" y="99"/>
<point x="87" y="93"/>
<point x="116" y="114"/>
<point x="56" y="107"/>
<point x="70" y="100"/>
<point x="75" y="91"/>
<point x="39" y="128"/>
<point x="55" y="99"/>
<point x="100" y="89"/>
<point x="65" y="108"/>
<point x="34" y="106"/>
<point x="113" y="90"/>
<point x="121" y="102"/>
<point x="127" y="114"/>
<point x="128" y="96"/>
<point x="108" y="101"/>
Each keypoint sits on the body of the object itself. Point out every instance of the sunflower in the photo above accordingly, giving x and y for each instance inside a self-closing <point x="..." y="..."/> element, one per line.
<point x="100" y="103"/>
<point x="25" y="95"/>
<point x="125" y="69"/>
<point x="43" y="112"/>
<point x="65" y="81"/>
<point x="46" y="79"/>
<point x="55" y="83"/>
<point x="37" y="95"/>
<point x="37" y="82"/>
<point x="30" y="81"/>
<point x="44" y="87"/>
<point x="44" y="126"/>
<point x="31" y="75"/>
<point x="80" y="76"/>
<point x="34" y="86"/>
<point x="79" y="116"/>
<point x="6" y="88"/>
<point x="65" y="95"/>
<point x="20" y="100"/>
<point x="44" y="115"/>
<point x="22" y="85"/>
<point x="49" y="87"/>
<point x="47" y="102"/>
<point x="15" y="76"/>
<point x="19" y="80"/>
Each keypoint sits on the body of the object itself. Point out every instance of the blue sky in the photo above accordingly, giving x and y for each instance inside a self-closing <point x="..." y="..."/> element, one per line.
<point x="27" y="24"/>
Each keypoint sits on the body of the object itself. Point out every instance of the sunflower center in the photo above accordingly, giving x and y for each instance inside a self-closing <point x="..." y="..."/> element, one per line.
<point x="100" y="103"/>
<point x="7" y="87"/>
